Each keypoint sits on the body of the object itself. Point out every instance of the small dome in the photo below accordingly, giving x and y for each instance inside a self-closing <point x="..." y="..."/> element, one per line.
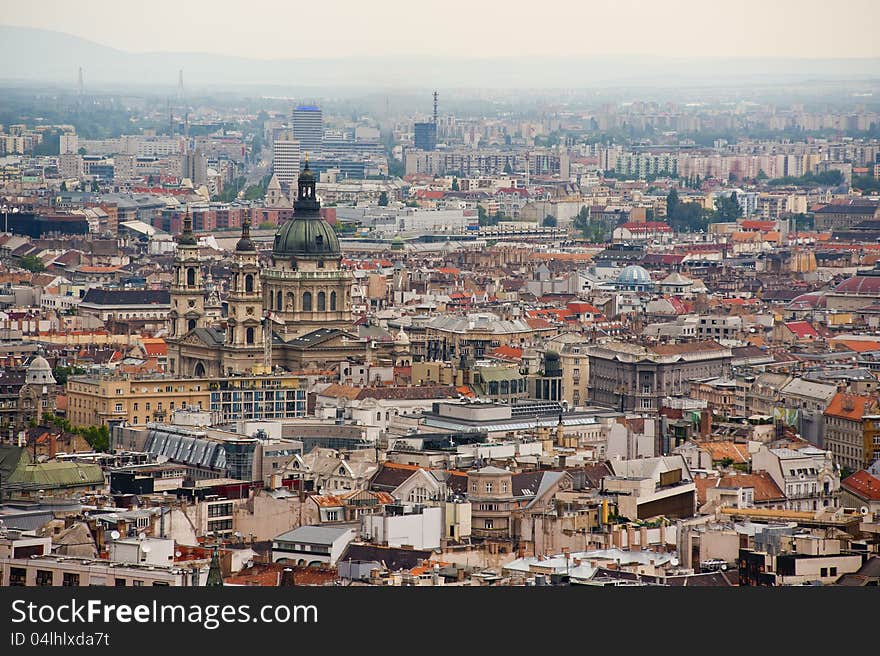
<point x="402" y="337"/>
<point x="634" y="275"/>
<point x="39" y="372"/>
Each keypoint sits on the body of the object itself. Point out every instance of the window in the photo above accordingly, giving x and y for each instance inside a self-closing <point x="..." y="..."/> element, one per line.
<point x="137" y="584"/>
<point x="823" y="572"/>
<point x="307" y="302"/>
<point x="833" y="571"/>
<point x="17" y="576"/>
<point x="136" y="406"/>
<point x="70" y="579"/>
<point x="249" y="283"/>
<point x="489" y="486"/>
<point x="118" y="407"/>
<point x="504" y="486"/>
<point x="332" y="515"/>
<point x="322" y="302"/>
<point x="249" y="336"/>
<point x="44" y="577"/>
<point x="332" y="301"/>
<point x="488" y="524"/>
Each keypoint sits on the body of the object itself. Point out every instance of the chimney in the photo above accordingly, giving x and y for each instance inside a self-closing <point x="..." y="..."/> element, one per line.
<point x="53" y="445"/>
<point x="630" y="537"/>
<point x="705" y="423"/>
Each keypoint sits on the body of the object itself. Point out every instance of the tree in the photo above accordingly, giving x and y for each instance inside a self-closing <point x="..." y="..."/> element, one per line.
<point x="549" y="221"/>
<point x="32" y="263"/>
<point x="455" y="186"/>
<point x="761" y="175"/>
<point x="482" y="218"/>
<point x="672" y="204"/>
<point x="63" y="186"/>
<point x="582" y="220"/>
<point x="727" y="208"/>
<point x="383" y="198"/>
<point x="81" y="150"/>
<point x="507" y="169"/>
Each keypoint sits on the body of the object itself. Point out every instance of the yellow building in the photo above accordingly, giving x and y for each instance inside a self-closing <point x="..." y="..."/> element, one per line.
<point x="98" y="400"/>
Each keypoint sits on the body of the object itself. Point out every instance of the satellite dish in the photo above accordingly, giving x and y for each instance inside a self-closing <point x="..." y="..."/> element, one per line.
<point x="142" y="536"/>
<point x="146" y="548"/>
<point x="864" y="510"/>
<point x="178" y="554"/>
<point x="114" y="535"/>
<point x="674" y="562"/>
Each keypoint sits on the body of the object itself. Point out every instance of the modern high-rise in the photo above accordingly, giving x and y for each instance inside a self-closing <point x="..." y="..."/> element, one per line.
<point x="285" y="162"/>
<point x="308" y="129"/>
<point x="426" y="136"/>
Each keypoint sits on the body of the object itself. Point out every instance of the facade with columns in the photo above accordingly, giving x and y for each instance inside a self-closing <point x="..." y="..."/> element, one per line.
<point x="295" y="313"/>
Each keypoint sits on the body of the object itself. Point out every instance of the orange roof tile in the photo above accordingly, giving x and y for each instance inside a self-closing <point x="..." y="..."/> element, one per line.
<point x="850" y="406"/>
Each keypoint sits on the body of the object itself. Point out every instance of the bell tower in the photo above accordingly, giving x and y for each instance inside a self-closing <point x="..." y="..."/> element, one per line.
<point x="187" y="286"/>
<point x="245" y="298"/>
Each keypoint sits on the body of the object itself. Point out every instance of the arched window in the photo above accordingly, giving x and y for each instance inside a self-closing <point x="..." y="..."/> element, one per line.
<point x="378" y="416"/>
<point x="190" y="277"/>
<point x="199" y="370"/>
<point x="249" y="336"/>
<point x="322" y="301"/>
<point x="332" y="301"/>
<point x="191" y="324"/>
<point x="307" y="302"/>
<point x="279" y="303"/>
<point x="249" y="283"/>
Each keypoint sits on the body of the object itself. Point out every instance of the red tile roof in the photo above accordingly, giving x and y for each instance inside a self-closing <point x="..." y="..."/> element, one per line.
<point x="802" y="329"/>
<point x="850" y="406"/>
<point x="863" y="485"/>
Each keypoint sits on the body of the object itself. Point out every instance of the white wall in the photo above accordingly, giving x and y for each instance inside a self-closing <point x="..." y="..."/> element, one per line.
<point x="421" y="531"/>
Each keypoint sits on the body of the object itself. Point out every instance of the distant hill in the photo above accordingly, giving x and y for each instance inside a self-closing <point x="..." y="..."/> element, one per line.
<point x="32" y="55"/>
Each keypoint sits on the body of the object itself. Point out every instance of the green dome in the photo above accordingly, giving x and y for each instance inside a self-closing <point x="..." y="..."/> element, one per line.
<point x="305" y="237"/>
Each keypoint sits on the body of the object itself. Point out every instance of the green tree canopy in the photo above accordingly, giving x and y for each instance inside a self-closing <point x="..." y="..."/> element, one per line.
<point x="727" y="208"/>
<point x="383" y="198"/>
<point x="549" y="221"/>
<point x="31" y="263"/>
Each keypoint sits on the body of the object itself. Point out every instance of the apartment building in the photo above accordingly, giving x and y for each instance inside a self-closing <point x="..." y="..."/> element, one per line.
<point x="98" y="400"/>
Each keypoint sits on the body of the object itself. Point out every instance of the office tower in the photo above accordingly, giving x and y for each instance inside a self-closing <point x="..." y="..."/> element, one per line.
<point x="285" y="161"/>
<point x="195" y="167"/>
<point x="426" y="136"/>
<point x="308" y="129"/>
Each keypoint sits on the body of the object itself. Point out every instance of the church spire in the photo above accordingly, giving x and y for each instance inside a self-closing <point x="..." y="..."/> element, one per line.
<point x="245" y="243"/>
<point x="186" y="237"/>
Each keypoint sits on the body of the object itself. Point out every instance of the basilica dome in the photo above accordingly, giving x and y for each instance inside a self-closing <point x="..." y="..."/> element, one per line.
<point x="308" y="234"/>
<point x="304" y="237"/>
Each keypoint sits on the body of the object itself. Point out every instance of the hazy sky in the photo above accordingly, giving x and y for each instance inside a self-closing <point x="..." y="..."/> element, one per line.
<point x="326" y="28"/>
